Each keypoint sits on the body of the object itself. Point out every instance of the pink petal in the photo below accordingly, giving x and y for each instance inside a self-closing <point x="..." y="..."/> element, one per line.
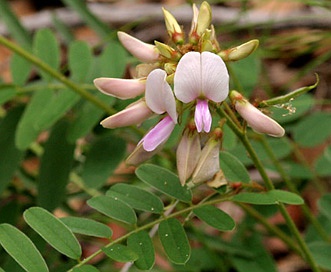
<point x="257" y="120"/>
<point x="159" y="134"/>
<point x="187" y="81"/>
<point x="214" y="78"/>
<point x="134" y="114"/>
<point x="142" y="51"/>
<point x="202" y="116"/>
<point x="120" y="88"/>
<point x="159" y="95"/>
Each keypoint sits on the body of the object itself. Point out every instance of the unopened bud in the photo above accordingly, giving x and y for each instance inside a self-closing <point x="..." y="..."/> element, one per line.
<point x="257" y="120"/>
<point x="208" y="164"/>
<point x="142" y="51"/>
<point x="200" y="22"/>
<point x="188" y="154"/>
<point x="134" y="114"/>
<point x="120" y="88"/>
<point x="167" y="51"/>
<point x="204" y="18"/>
<point x="174" y="30"/>
<point x="140" y="155"/>
<point x="239" y="52"/>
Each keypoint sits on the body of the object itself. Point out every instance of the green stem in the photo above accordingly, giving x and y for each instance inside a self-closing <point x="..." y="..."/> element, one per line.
<point x="268" y="183"/>
<point x="292" y="188"/>
<point x="152" y="224"/>
<point x="55" y="74"/>
<point x="271" y="228"/>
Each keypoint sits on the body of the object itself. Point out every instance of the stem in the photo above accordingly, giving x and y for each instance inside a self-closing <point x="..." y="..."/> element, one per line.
<point x="268" y="183"/>
<point x="152" y="233"/>
<point x="292" y="188"/>
<point x="55" y="74"/>
<point x="152" y="224"/>
<point x="271" y="228"/>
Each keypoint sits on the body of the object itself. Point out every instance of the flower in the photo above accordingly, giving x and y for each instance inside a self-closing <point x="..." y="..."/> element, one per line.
<point x="188" y="153"/>
<point x="209" y="163"/>
<point x="142" y="51"/>
<point x="258" y="121"/>
<point x="160" y="99"/>
<point x="200" y="22"/>
<point x="202" y="77"/>
<point x="120" y="88"/>
<point x="133" y="114"/>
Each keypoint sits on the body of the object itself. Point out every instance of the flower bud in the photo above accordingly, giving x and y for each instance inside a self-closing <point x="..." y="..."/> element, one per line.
<point x="204" y="18"/>
<point x="120" y="88"/>
<point x="208" y="164"/>
<point x="167" y="51"/>
<point x="200" y="22"/>
<point x="239" y="52"/>
<point x="140" y="155"/>
<point x="188" y="154"/>
<point x="142" y="51"/>
<point x="258" y="121"/>
<point x="143" y="69"/>
<point x="174" y="30"/>
<point x="134" y="114"/>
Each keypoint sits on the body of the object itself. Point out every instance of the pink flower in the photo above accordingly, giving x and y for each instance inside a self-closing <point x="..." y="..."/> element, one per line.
<point x="133" y="114"/>
<point x="202" y="77"/>
<point x="120" y="88"/>
<point x="160" y="99"/>
<point x="258" y="121"/>
<point x="142" y="51"/>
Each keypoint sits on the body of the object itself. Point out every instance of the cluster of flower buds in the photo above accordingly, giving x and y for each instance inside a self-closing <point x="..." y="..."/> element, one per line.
<point x="190" y="74"/>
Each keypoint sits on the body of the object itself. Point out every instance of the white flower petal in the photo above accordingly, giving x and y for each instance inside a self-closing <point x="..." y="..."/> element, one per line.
<point x="159" y="95"/>
<point x="187" y="81"/>
<point x="142" y="51"/>
<point x="215" y="77"/>
<point x="120" y="88"/>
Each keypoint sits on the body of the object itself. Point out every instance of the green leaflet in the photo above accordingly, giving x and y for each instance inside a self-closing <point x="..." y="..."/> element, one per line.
<point x="46" y="48"/>
<point x="136" y="197"/>
<point x="164" y="181"/>
<point x="85" y="268"/>
<point x="215" y="217"/>
<point x="142" y="244"/>
<point x="12" y="158"/>
<point x="174" y="241"/>
<point x="21" y="248"/>
<point x="79" y="60"/>
<point x="120" y="253"/>
<point x="233" y="169"/>
<point x="26" y="132"/>
<point x="102" y="159"/>
<point x="55" y="168"/>
<point x="53" y="231"/>
<point x="269" y="198"/>
<point x="114" y="208"/>
<point x="87" y="226"/>
<point x="313" y="130"/>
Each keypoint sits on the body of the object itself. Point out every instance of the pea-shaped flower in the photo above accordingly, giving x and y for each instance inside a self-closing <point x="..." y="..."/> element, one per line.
<point x="201" y="77"/>
<point x="160" y="99"/>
